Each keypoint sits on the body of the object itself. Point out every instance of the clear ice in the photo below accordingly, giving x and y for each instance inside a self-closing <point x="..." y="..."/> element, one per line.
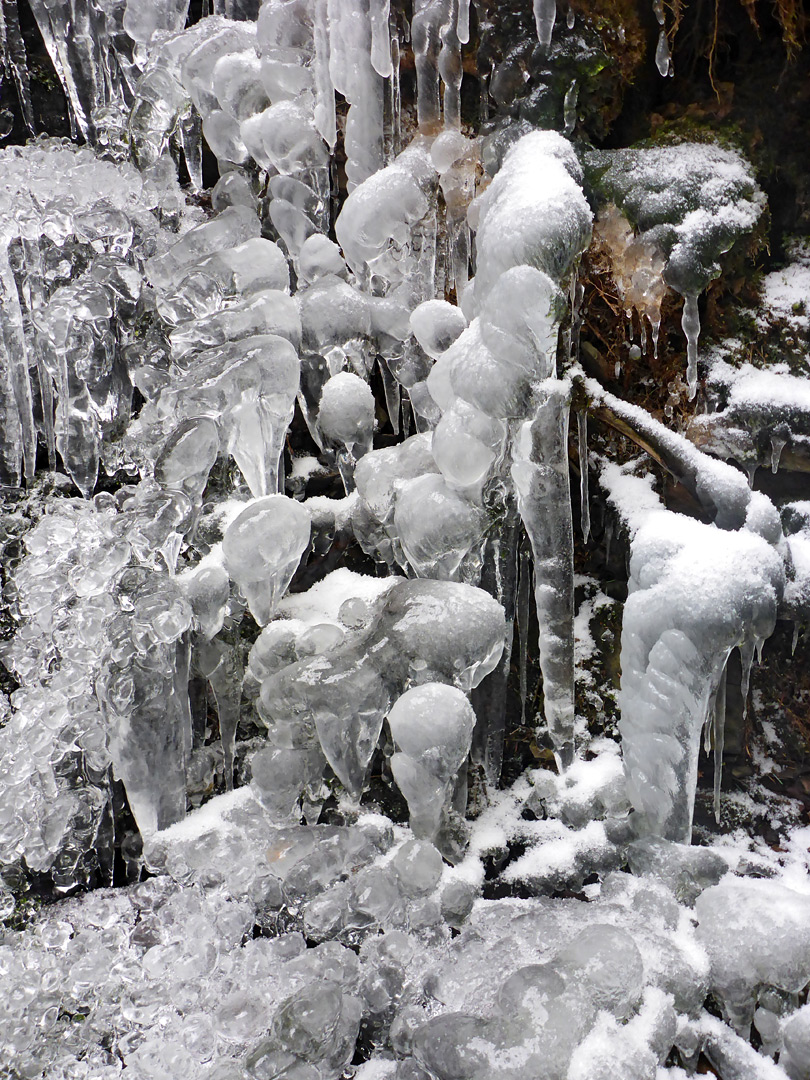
<point x="239" y="771"/>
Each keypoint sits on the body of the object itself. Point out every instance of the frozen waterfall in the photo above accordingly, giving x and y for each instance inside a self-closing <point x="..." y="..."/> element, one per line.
<point x="290" y="333"/>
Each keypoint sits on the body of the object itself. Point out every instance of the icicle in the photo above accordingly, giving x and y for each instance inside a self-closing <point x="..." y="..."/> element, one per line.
<point x="182" y="679"/>
<point x="576" y="294"/>
<point x="719" y="738"/>
<point x="408" y="414"/>
<point x="463" y="26"/>
<point x="658" y="11"/>
<point x="191" y="141"/>
<point x="759" y="645"/>
<point x="777" y="446"/>
<point x="11" y="441"/>
<point x="35" y="286"/>
<point x="540" y="474"/>
<point x="582" y="435"/>
<point x="655" y="323"/>
<point x="325" y="120"/>
<point x="523" y="602"/>
<point x="690" y="322"/>
<point x="663" y="58"/>
<point x="499" y="578"/>
<point x="570" y="18"/>
<point x="220" y="664"/>
<point x="795" y="640"/>
<point x="56" y="33"/>
<point x="450" y="71"/>
<point x="353" y="76"/>
<point x="16" y="58"/>
<point x="392" y="391"/>
<point x="747" y="660"/>
<point x="396" y="100"/>
<point x="426" y="30"/>
<point x="545" y="14"/>
<point x="378" y="11"/>
<point x="17" y="361"/>
<point x="570" y="107"/>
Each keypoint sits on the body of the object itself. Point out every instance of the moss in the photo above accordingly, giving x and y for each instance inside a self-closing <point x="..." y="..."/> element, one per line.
<point x="603" y="53"/>
<point x="621" y="32"/>
<point x="25" y="913"/>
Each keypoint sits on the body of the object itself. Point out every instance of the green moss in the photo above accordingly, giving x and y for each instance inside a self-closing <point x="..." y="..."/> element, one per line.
<point x="24" y="914"/>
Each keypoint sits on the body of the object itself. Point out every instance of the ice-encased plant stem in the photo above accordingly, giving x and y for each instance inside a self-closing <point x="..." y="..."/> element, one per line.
<point x="696" y="593"/>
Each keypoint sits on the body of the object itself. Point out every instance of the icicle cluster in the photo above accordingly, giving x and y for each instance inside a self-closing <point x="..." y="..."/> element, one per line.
<point x="689" y="203"/>
<point x="74" y="233"/>
<point x="168" y="642"/>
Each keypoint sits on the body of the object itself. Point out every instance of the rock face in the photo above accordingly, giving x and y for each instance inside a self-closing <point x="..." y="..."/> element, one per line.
<point x="335" y="734"/>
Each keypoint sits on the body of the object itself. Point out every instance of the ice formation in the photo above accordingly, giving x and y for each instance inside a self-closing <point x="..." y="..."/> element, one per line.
<point x="690" y="203"/>
<point x="271" y="755"/>
<point x="754" y="416"/>
<point x="696" y="592"/>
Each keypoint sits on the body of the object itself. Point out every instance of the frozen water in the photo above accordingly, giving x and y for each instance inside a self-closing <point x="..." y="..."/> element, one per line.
<point x="696" y="592"/>
<point x="338" y="905"/>
<point x="262" y="548"/>
<point x="432" y="728"/>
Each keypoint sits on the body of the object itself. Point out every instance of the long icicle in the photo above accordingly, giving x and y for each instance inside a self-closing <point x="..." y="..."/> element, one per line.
<point x="719" y="738"/>
<point x="16" y="57"/>
<point x="14" y="335"/>
<point x="540" y="473"/>
<point x="582" y="443"/>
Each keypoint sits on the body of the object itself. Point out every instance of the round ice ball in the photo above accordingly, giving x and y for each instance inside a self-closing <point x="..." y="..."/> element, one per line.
<point x="433" y="717"/>
<point x="347" y="410"/>
<point x="269" y="533"/>
<point x="436" y="324"/>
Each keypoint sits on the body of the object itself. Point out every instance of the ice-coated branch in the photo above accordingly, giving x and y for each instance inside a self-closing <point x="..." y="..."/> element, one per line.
<point x="719" y="488"/>
<point x="695" y="593"/>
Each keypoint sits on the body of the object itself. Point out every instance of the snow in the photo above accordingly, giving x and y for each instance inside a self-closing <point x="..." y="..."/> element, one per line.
<point x="748" y="387"/>
<point x="322" y="602"/>
<point x="785" y="292"/>
<point x="213" y="817"/>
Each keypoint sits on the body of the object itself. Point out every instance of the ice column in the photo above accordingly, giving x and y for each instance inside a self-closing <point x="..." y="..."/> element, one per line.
<point x="540" y="475"/>
<point x="533" y="223"/>
<point x="354" y="76"/>
<point x="696" y="592"/>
